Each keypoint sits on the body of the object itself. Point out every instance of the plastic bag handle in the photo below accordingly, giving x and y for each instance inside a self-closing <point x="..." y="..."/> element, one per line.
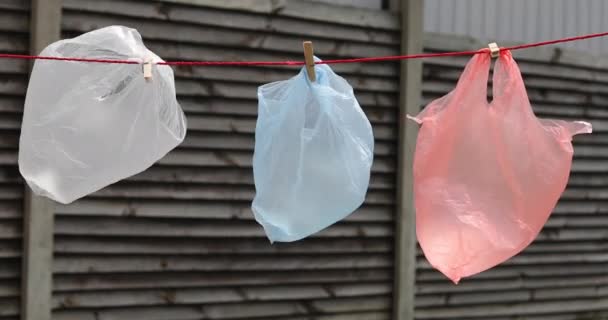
<point x="472" y="84"/>
<point x="507" y="80"/>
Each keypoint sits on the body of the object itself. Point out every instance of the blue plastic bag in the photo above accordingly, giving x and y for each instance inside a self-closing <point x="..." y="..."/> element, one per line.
<point x="313" y="155"/>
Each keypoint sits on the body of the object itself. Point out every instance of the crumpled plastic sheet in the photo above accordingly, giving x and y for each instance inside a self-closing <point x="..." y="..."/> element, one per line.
<point x="87" y="125"/>
<point x="486" y="174"/>
<point x="313" y="154"/>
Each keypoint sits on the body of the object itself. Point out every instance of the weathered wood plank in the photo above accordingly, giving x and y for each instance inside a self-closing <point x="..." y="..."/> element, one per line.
<point x="351" y="16"/>
<point x="317" y="12"/>
<point x="192" y="210"/>
<point x="10" y="249"/>
<point x="9" y="288"/>
<point x="13" y="43"/>
<point x="514" y="272"/>
<point x="10" y="209"/>
<point x="13" y="85"/>
<point x="115" y="264"/>
<point x="182" y="51"/>
<point x="379" y="109"/>
<point x="10" y="229"/>
<point x="203" y="35"/>
<point x="207" y="192"/>
<point x="18" y="5"/>
<point x="180" y="246"/>
<point x="540" y="56"/>
<point x="549" y="258"/>
<point x="87" y="282"/>
<point x="11" y="104"/>
<point x="480" y="298"/>
<point x="14" y="21"/>
<point x="224" y="176"/>
<point x="10" y="269"/>
<point x="10" y="66"/>
<point x="478" y="286"/>
<point x="182" y="314"/>
<point x="220" y="158"/>
<point x="239" y="125"/>
<point x="190" y="88"/>
<point x="9" y="307"/>
<point x="200" y="228"/>
<point x="534" y="75"/>
<point x="228" y="141"/>
<point x="211" y="295"/>
<point x="524" y="308"/>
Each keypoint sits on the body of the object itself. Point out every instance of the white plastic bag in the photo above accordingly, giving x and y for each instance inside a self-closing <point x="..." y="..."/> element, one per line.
<point x="87" y="125"/>
<point x="313" y="155"/>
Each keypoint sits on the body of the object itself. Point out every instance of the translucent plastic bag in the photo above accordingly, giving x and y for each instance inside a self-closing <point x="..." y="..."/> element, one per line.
<point x="486" y="175"/>
<point x="87" y="125"/>
<point x="313" y="154"/>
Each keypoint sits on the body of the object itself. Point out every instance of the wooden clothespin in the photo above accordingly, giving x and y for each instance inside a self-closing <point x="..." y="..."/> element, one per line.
<point x="494" y="50"/>
<point x="310" y="60"/>
<point x="148" y="69"/>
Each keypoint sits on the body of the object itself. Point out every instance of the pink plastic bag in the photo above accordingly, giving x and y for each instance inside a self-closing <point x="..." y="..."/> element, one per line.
<point x="486" y="175"/>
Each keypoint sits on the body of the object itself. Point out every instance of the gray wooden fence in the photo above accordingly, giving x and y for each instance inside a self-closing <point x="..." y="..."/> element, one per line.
<point x="179" y="241"/>
<point x="564" y="273"/>
<point x="14" y="38"/>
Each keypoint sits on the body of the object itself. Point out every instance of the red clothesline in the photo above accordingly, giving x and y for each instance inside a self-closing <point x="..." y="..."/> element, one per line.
<point x="300" y="63"/>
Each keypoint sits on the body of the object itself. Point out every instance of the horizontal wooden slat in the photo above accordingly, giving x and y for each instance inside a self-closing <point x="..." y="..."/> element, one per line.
<point x="536" y="76"/>
<point x="186" y="315"/>
<point x="218" y="176"/>
<point x="180" y="246"/>
<point x="508" y="273"/>
<point x="10" y="249"/>
<point x="220" y="158"/>
<point x="524" y="308"/>
<point x="14" y="21"/>
<point x="10" y="66"/>
<point x="11" y="104"/>
<point x="205" y="192"/>
<point x="317" y="12"/>
<point x="10" y="268"/>
<point x="10" y="209"/>
<point x="9" y="288"/>
<point x="199" y="228"/>
<point x="75" y="282"/>
<point x="536" y="282"/>
<point x="379" y="109"/>
<point x="15" y="5"/>
<point x="258" y="311"/>
<point x="540" y="57"/>
<point x="215" y="295"/>
<point x="10" y="229"/>
<point x="188" y="33"/>
<point x="9" y="307"/>
<point x="549" y="258"/>
<point x="191" y="209"/>
<point x="93" y="264"/>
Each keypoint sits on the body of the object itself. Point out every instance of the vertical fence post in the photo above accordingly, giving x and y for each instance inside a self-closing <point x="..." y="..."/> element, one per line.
<point x="37" y="268"/>
<point x="410" y="99"/>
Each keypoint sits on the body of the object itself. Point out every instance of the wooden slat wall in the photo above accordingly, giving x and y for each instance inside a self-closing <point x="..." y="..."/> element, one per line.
<point x="14" y="38"/>
<point x="179" y="241"/>
<point x="563" y="275"/>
